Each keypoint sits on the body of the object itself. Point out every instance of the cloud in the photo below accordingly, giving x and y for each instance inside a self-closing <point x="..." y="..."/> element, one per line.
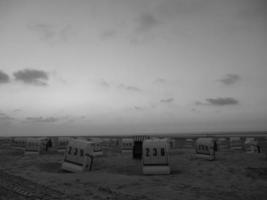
<point x="195" y="110"/>
<point x="160" y="81"/>
<point x="49" y="32"/>
<point x="132" y="88"/>
<point x="108" y="34"/>
<point x="4" y="78"/>
<point x="45" y="31"/>
<point x="32" y="76"/>
<point x="253" y="10"/>
<point x="169" y="100"/>
<point x="138" y="108"/>
<point x="16" y="110"/>
<point x="220" y="101"/>
<point x="5" y="117"/>
<point x="146" y="22"/>
<point x="182" y="7"/>
<point x="129" y="88"/>
<point x="230" y="79"/>
<point x="104" y="83"/>
<point x="64" y="33"/>
<point x="42" y="119"/>
<point x="199" y="103"/>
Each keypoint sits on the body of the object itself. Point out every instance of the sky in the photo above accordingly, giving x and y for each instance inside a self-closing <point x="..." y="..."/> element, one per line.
<point x="100" y="67"/>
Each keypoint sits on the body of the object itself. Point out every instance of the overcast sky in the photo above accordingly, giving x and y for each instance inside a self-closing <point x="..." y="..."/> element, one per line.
<point x="132" y="66"/>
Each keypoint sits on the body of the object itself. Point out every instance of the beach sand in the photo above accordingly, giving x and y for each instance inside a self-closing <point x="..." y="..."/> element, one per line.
<point x="233" y="175"/>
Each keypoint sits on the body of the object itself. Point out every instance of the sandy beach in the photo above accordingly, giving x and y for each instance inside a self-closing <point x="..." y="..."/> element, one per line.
<point x="233" y="175"/>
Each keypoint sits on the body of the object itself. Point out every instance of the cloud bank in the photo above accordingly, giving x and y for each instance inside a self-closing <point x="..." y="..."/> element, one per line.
<point x="49" y="32"/>
<point x="169" y="100"/>
<point x="220" y="101"/>
<point x="138" y="108"/>
<point x="230" y="79"/>
<point x="32" y="76"/>
<point x="146" y="22"/>
<point x="104" y="83"/>
<point x="42" y="119"/>
<point x="160" y="81"/>
<point x="4" y="117"/>
<point x="129" y="88"/>
<point x="4" y="78"/>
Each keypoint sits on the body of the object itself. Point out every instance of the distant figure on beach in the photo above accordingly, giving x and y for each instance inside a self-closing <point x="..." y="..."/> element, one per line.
<point x="91" y="157"/>
<point x="215" y="146"/>
<point x="48" y="144"/>
<point x="259" y="148"/>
